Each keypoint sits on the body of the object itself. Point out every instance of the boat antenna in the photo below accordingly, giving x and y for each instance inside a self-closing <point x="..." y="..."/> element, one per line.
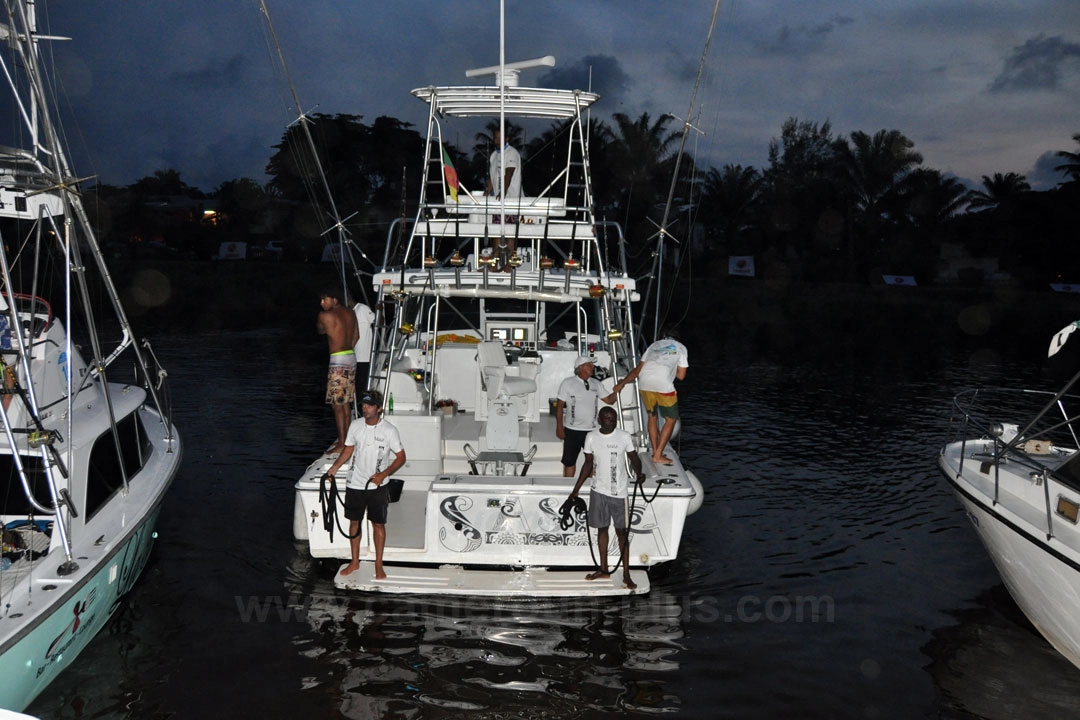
<point x="658" y="259"/>
<point x="304" y="123"/>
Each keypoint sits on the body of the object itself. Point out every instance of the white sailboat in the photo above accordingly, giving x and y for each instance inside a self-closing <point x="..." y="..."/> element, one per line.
<point x="483" y="305"/>
<point x="1015" y="467"/>
<point x="87" y="448"/>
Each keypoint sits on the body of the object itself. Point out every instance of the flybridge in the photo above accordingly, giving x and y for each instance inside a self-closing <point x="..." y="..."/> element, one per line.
<point x="485" y="101"/>
<point x="505" y="96"/>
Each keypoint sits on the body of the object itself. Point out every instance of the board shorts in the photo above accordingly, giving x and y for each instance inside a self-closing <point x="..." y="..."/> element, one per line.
<point x="341" y="379"/>
<point x="667" y="404"/>
<point x="573" y="442"/>
<point x="605" y="510"/>
<point x="374" y="502"/>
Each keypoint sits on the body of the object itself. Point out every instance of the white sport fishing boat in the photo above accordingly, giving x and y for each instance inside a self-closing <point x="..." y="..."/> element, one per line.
<point x="1020" y="485"/>
<point x="471" y="342"/>
<point x="86" y="454"/>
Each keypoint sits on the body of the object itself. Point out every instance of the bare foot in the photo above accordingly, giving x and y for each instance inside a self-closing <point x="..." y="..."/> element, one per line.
<point x="628" y="583"/>
<point x="350" y="568"/>
<point x="380" y="574"/>
<point x="661" y="460"/>
<point x="598" y="575"/>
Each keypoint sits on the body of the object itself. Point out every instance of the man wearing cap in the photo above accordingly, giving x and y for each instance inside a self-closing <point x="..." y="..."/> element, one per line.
<point x="576" y="405"/>
<point x="379" y="454"/>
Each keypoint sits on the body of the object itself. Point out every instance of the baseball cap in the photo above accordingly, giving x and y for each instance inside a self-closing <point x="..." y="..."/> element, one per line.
<point x="371" y="397"/>
<point x="583" y="359"/>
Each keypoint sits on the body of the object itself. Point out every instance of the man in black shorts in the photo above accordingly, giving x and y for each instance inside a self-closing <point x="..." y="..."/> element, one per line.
<point x="578" y="399"/>
<point x="379" y="454"/>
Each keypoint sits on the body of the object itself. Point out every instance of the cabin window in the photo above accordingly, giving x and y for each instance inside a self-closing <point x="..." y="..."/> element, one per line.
<point x="12" y="498"/>
<point x="1068" y="509"/>
<point x="104" y="475"/>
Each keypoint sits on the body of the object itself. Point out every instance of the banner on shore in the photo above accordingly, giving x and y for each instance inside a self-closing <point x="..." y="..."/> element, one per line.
<point x="1066" y="287"/>
<point x="899" y="280"/>
<point x="741" y="265"/>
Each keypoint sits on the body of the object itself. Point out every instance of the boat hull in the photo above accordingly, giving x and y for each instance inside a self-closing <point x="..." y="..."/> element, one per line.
<point x="498" y="521"/>
<point x="1041" y="573"/>
<point x="44" y="648"/>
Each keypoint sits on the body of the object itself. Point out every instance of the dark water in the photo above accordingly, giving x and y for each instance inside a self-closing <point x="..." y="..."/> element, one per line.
<point x="830" y="573"/>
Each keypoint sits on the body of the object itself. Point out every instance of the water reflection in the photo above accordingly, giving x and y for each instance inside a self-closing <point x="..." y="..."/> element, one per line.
<point x="397" y="656"/>
<point x="993" y="664"/>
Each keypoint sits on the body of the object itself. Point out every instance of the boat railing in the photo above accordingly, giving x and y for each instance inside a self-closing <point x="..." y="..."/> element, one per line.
<point x="1046" y="447"/>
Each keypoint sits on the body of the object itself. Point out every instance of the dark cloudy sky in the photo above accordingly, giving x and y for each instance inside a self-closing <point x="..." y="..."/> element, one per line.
<point x="981" y="86"/>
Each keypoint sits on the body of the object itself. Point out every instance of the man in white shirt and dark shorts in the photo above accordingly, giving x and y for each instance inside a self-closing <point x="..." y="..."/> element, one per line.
<point x="604" y="462"/>
<point x="379" y="454"/>
<point x="576" y="404"/>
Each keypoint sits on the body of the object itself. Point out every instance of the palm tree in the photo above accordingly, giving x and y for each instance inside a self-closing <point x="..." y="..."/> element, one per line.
<point x="1071" y="167"/>
<point x="874" y="166"/>
<point x="730" y="197"/>
<point x="999" y="189"/>
<point x="638" y="153"/>
<point x="931" y="199"/>
<point x="873" y="169"/>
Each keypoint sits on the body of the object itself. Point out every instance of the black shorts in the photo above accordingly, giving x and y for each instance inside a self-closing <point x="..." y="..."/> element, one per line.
<point x="573" y="441"/>
<point x="375" y="502"/>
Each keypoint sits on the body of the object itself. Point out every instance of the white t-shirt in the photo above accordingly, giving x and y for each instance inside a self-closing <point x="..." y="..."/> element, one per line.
<point x="365" y="318"/>
<point x="582" y="402"/>
<point x="511" y="159"/>
<point x="376" y="446"/>
<point x="662" y="359"/>
<point x="609" y="461"/>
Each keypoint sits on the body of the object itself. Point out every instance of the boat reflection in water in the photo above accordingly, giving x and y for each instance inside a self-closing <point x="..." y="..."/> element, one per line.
<point x="480" y="655"/>
<point x="994" y="664"/>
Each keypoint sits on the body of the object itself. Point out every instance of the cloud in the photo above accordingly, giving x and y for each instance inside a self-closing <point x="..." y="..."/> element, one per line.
<point x="804" y="38"/>
<point x="607" y="77"/>
<point x="1043" y="176"/>
<point x="229" y="74"/>
<point x="1036" y="65"/>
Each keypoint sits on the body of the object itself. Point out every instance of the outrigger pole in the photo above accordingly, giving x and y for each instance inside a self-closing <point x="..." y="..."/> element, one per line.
<point x="658" y="259"/>
<point x="304" y="123"/>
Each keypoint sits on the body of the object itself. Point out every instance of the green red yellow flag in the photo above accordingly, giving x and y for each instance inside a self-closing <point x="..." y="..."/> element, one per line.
<point x="451" y="174"/>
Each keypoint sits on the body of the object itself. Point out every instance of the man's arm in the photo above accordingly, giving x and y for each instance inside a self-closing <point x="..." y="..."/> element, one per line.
<point x="680" y="373"/>
<point x="559" y="431"/>
<point x="635" y="462"/>
<point x="342" y="458"/>
<point x="630" y="376"/>
<point x="586" y="471"/>
<point x="399" y="460"/>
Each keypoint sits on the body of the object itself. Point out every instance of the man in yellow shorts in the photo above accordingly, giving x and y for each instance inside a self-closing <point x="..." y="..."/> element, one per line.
<point x="342" y="332"/>
<point x="661" y="364"/>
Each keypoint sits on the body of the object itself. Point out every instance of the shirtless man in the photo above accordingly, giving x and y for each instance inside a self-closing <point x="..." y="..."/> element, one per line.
<point x="338" y="324"/>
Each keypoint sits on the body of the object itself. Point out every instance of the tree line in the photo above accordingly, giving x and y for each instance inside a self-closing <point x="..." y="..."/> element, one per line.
<point x="825" y="207"/>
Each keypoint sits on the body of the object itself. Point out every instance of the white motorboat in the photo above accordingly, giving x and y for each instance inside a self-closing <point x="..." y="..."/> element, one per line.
<point x="1015" y="467"/>
<point x="472" y="357"/>
<point x="87" y="450"/>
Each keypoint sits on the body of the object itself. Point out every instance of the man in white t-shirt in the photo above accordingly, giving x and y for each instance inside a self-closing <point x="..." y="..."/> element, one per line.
<point x="504" y="181"/>
<point x="604" y="462"/>
<point x="577" y="401"/>
<point x="662" y="363"/>
<point x="379" y="454"/>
